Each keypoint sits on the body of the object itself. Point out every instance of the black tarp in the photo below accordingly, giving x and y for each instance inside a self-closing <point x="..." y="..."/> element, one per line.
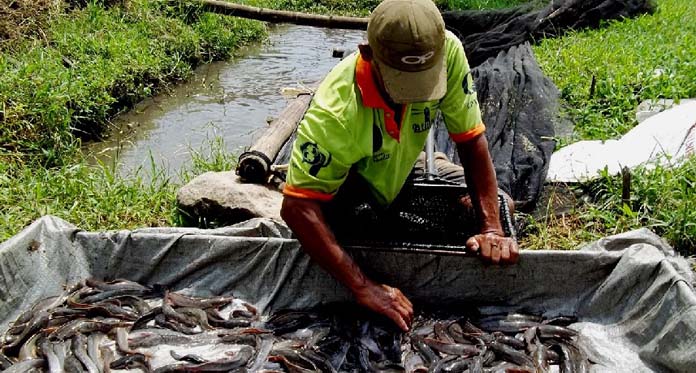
<point x="487" y="33"/>
<point x="519" y="106"/>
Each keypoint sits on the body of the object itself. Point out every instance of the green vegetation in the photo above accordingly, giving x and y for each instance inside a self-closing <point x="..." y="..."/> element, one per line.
<point x="96" y="61"/>
<point x="93" y="198"/>
<point x="356" y="8"/>
<point x="363" y="7"/>
<point x="663" y="199"/>
<point x="67" y="75"/>
<point x="96" y="197"/>
<point x="632" y="60"/>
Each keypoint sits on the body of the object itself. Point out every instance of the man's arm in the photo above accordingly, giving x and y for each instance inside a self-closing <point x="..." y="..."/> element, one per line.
<point x="483" y="188"/>
<point x="305" y="218"/>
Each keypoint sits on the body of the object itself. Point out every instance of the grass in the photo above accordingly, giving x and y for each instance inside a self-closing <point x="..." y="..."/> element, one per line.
<point x="96" y="61"/>
<point x="357" y="8"/>
<point x="363" y="7"/>
<point x="85" y="65"/>
<point x="91" y="197"/>
<point x="631" y="60"/>
<point x="663" y="199"/>
<point x="96" y="197"/>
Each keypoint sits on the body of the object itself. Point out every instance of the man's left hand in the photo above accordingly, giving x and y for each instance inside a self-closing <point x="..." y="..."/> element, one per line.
<point x="494" y="248"/>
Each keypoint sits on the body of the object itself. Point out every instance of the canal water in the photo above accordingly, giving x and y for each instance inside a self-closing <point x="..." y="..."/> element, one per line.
<point x="233" y="100"/>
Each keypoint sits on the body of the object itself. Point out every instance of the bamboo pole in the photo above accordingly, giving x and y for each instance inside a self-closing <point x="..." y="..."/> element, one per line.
<point x="255" y="164"/>
<point x="283" y="16"/>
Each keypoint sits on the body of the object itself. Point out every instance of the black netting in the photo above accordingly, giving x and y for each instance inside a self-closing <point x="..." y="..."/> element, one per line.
<point x="426" y="215"/>
<point x="487" y="33"/>
<point x="519" y="106"/>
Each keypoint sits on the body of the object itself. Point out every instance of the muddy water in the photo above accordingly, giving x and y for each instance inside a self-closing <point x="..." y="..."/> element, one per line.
<point x="233" y="100"/>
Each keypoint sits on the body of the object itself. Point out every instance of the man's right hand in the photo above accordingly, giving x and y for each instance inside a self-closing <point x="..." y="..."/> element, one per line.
<point x="306" y="219"/>
<point x="494" y="248"/>
<point x="388" y="301"/>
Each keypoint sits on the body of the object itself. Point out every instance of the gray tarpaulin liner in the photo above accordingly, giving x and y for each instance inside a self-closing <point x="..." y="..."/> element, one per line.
<point x="632" y="294"/>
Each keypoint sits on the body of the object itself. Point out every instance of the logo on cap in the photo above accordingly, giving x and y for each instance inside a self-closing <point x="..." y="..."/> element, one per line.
<point x="418" y="60"/>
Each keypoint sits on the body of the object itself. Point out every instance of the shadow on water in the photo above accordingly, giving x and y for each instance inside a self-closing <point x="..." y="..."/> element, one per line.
<point x="234" y="100"/>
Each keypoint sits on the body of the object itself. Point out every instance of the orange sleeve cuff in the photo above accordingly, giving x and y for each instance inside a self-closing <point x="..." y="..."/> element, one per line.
<point x="292" y="191"/>
<point x="468" y="135"/>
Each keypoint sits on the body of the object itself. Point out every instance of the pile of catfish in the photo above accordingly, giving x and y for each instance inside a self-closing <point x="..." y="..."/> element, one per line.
<point x="97" y="327"/>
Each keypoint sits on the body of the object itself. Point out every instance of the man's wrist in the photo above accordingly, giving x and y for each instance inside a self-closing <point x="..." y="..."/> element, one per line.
<point x="360" y="285"/>
<point x="496" y="231"/>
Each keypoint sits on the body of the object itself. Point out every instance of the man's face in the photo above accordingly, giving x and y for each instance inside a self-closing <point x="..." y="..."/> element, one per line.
<point x="380" y="81"/>
<point x="366" y="53"/>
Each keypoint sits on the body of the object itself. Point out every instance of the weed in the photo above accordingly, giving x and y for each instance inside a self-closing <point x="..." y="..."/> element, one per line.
<point x="336" y="7"/>
<point x="97" y="197"/>
<point x="98" y="61"/>
<point x="631" y="60"/>
<point x="364" y="7"/>
<point x="92" y="197"/>
<point x="212" y="156"/>
<point x="663" y="199"/>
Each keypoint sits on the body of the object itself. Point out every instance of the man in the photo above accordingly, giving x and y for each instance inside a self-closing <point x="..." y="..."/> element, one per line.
<point x="370" y="118"/>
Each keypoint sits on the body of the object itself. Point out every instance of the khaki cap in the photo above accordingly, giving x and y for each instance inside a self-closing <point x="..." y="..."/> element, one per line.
<point x="407" y="38"/>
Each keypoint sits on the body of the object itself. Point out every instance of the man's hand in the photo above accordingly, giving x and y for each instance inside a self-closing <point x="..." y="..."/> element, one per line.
<point x="494" y="248"/>
<point x="483" y="188"/>
<point x="388" y="301"/>
<point x="306" y="219"/>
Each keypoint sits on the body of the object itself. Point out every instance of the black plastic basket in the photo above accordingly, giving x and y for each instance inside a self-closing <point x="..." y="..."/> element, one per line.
<point x="429" y="217"/>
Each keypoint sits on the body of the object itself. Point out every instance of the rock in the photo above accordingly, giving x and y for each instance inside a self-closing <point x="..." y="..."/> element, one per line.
<point x="220" y="198"/>
<point x="487" y="33"/>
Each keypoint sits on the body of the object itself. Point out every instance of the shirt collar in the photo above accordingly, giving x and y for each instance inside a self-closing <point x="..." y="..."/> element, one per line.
<point x="365" y="79"/>
<point x="372" y="97"/>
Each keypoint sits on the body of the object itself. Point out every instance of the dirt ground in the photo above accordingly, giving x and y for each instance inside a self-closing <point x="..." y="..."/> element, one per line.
<point x="20" y="18"/>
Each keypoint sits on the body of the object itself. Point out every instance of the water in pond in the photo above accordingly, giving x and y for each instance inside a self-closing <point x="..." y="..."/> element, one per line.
<point x="233" y="100"/>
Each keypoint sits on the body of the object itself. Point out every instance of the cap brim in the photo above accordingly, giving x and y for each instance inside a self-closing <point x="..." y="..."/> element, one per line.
<point x="420" y="86"/>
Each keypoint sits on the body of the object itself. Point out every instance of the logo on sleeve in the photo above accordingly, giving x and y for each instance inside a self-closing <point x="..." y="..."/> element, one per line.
<point x="468" y="84"/>
<point x="312" y="155"/>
